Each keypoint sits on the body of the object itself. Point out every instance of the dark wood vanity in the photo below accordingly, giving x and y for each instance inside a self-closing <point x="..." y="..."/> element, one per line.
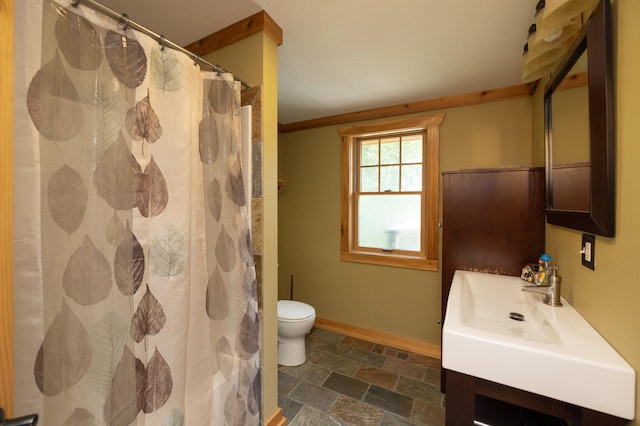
<point x="493" y="221"/>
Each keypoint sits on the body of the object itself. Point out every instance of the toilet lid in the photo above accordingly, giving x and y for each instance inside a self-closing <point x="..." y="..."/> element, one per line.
<point x="290" y="310"/>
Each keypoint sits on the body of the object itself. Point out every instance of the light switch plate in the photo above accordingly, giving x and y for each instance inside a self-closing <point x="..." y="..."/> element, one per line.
<point x="588" y="250"/>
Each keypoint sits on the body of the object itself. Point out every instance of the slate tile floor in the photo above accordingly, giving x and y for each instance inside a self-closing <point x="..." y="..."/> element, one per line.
<point x="348" y="381"/>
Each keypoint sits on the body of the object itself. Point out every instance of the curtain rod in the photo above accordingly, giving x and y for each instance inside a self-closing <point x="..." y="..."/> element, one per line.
<point x="126" y="22"/>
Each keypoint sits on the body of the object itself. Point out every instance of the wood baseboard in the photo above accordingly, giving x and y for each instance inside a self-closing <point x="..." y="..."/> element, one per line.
<point x="277" y="419"/>
<point x="398" y="342"/>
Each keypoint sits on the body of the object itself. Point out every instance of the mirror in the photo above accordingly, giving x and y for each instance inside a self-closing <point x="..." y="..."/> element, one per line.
<point x="579" y="132"/>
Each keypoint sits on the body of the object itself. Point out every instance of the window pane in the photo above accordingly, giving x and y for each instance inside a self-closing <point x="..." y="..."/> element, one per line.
<point x="412" y="149"/>
<point x="369" y="179"/>
<point x="390" y="151"/>
<point x="369" y="153"/>
<point x="390" y="178"/>
<point x="389" y="222"/>
<point x="412" y="177"/>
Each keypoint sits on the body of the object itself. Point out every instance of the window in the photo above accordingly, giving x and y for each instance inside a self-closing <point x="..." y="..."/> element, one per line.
<point x="389" y="192"/>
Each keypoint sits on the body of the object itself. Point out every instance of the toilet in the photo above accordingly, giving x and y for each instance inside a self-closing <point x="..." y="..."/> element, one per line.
<point x="295" y="320"/>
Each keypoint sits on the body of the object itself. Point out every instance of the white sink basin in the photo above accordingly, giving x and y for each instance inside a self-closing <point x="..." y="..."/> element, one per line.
<point x="553" y="352"/>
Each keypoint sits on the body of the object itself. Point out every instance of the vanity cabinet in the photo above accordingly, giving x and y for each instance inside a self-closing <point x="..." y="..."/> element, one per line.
<point x="493" y="221"/>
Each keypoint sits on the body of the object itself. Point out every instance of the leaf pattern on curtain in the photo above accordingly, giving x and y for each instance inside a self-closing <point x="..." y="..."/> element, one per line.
<point x="142" y="122"/>
<point x="108" y="337"/>
<point x="67" y="196"/>
<point x="224" y="357"/>
<point x="64" y="355"/>
<point x="158" y="383"/>
<point x="168" y="252"/>
<point x="148" y="319"/>
<point x="81" y="417"/>
<point x="152" y="195"/>
<point x="92" y="90"/>
<point x="226" y="254"/>
<point x="53" y="102"/>
<point x="175" y="418"/>
<point x="235" y="408"/>
<point x="214" y="199"/>
<point x="116" y="176"/>
<point x="221" y="96"/>
<point x="249" y="334"/>
<point x="78" y="41"/>
<point x="121" y="407"/>
<point x="109" y="120"/>
<point x="115" y="230"/>
<point x="208" y="139"/>
<point x="166" y="70"/>
<point x="235" y="189"/>
<point x="255" y="393"/>
<point x="128" y="263"/>
<point x="87" y="277"/>
<point x="216" y="299"/>
<point x="126" y="58"/>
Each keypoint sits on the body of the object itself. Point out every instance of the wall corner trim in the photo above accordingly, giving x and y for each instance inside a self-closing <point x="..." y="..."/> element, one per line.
<point x="276" y="419"/>
<point x="255" y="23"/>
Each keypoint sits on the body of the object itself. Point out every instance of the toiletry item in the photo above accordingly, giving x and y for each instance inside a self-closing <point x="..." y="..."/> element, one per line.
<point x="543" y="269"/>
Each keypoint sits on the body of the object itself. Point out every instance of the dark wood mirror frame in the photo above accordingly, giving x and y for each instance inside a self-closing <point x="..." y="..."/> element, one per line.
<point x="596" y="35"/>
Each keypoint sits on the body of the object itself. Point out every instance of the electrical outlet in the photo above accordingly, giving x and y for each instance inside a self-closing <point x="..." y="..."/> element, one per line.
<point x="588" y="250"/>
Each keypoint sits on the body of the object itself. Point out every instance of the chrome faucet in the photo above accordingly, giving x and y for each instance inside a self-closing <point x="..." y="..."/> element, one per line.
<point x="551" y="290"/>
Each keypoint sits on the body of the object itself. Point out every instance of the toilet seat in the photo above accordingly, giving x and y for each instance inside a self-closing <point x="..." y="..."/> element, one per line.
<point x="293" y="311"/>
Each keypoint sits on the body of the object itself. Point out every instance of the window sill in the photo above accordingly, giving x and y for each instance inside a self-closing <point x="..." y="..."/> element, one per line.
<point x="409" y="262"/>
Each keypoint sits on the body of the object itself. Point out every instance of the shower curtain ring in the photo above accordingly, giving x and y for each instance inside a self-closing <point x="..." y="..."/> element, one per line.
<point x="124" y="21"/>
<point x="196" y="60"/>
<point x="161" y="41"/>
<point x="75" y="3"/>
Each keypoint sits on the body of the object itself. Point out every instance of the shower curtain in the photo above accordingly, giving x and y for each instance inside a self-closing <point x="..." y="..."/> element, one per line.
<point x="136" y="297"/>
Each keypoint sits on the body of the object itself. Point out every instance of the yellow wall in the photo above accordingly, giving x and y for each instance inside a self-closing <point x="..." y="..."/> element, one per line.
<point x="608" y="297"/>
<point x="399" y="301"/>
<point x="255" y="60"/>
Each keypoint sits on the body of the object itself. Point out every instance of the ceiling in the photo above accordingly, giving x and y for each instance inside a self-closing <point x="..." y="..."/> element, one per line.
<point x="341" y="56"/>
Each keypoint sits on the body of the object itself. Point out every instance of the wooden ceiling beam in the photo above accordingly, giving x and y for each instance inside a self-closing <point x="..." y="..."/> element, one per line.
<point x="260" y="21"/>
<point x="511" y="92"/>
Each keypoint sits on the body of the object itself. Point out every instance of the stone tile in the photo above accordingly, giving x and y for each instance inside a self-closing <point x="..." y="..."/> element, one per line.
<point x="358" y="343"/>
<point x="257" y="226"/>
<point x="286" y="383"/>
<point x="356" y="412"/>
<point x="256" y="169"/>
<point x="346" y="385"/>
<point x="432" y="376"/>
<point x="339" y="364"/>
<point x="325" y="335"/>
<point x="403" y="368"/>
<point x="427" y="414"/>
<point x="310" y="416"/>
<point x="289" y="407"/>
<point x="427" y="361"/>
<point x="335" y="348"/>
<point x="315" y="396"/>
<point x="376" y="376"/>
<point x="389" y="400"/>
<point x="402" y="355"/>
<point x="379" y="349"/>
<point x="390" y="419"/>
<point x="419" y="390"/>
<point x="367" y="357"/>
<point x="310" y="372"/>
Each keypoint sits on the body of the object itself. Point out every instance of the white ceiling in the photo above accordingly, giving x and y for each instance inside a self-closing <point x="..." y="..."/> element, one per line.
<point x="342" y="56"/>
